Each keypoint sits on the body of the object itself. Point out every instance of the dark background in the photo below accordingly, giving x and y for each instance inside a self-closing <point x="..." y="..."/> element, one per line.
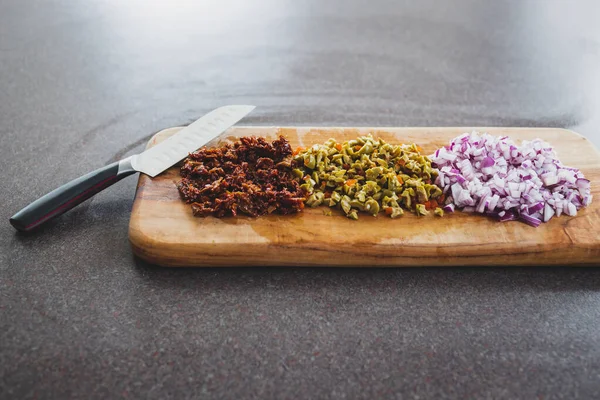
<point x="84" y="83"/>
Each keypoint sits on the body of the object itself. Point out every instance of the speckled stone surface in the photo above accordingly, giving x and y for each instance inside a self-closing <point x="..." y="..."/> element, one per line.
<point x="84" y="83"/>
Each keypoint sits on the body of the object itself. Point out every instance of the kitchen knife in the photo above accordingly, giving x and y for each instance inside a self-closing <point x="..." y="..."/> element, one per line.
<point x="151" y="162"/>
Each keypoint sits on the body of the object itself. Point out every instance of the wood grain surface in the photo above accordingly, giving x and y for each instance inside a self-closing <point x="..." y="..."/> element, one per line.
<point x="163" y="231"/>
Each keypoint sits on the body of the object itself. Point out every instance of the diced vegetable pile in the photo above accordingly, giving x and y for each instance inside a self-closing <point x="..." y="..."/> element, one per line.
<point x="492" y="175"/>
<point x="477" y="173"/>
<point x="369" y="175"/>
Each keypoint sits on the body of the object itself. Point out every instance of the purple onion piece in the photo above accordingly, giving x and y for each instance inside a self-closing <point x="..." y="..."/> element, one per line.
<point x="530" y="220"/>
<point x="449" y="208"/>
<point x="582" y="183"/>
<point x="488" y="162"/>
<point x="508" y="216"/>
<point x="535" y="208"/>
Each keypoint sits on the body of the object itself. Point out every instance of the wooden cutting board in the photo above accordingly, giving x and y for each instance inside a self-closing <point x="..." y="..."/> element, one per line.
<point x="163" y="231"/>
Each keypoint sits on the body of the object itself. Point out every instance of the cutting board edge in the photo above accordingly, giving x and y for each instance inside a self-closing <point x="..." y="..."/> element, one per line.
<point x="518" y="260"/>
<point x="208" y="254"/>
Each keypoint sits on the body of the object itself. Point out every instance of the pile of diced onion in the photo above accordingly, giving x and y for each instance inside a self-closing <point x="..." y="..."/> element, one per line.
<point x="492" y="175"/>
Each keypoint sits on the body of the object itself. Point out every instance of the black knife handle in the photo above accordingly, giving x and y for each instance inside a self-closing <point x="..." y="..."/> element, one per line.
<point x="68" y="196"/>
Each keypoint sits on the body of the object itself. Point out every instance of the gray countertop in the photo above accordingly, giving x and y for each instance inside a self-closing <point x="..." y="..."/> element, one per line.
<point x="84" y="83"/>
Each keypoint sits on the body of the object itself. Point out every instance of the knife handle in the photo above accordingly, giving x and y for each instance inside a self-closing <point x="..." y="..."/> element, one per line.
<point x="64" y="198"/>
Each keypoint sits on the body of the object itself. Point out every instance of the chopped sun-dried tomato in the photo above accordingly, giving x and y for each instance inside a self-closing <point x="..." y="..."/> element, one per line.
<point x="250" y="176"/>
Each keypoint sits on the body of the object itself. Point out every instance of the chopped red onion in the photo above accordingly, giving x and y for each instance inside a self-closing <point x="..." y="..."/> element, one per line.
<point x="582" y="183"/>
<point x="507" y="216"/>
<point x="492" y="175"/>
<point x="530" y="220"/>
<point x="548" y="212"/>
<point x="535" y="208"/>
<point x="488" y="162"/>
<point x="449" y="208"/>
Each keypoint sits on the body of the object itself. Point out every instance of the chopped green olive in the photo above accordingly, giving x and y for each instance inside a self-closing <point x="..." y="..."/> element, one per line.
<point x="310" y="161"/>
<point x="420" y="209"/>
<point x="396" y="212"/>
<point x="369" y="175"/>
<point x="352" y="214"/>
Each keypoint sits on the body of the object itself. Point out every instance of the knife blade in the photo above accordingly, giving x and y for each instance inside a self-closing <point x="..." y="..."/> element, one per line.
<point x="150" y="162"/>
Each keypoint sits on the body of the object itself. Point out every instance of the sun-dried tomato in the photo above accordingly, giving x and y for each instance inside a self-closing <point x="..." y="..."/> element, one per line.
<point x="250" y="176"/>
